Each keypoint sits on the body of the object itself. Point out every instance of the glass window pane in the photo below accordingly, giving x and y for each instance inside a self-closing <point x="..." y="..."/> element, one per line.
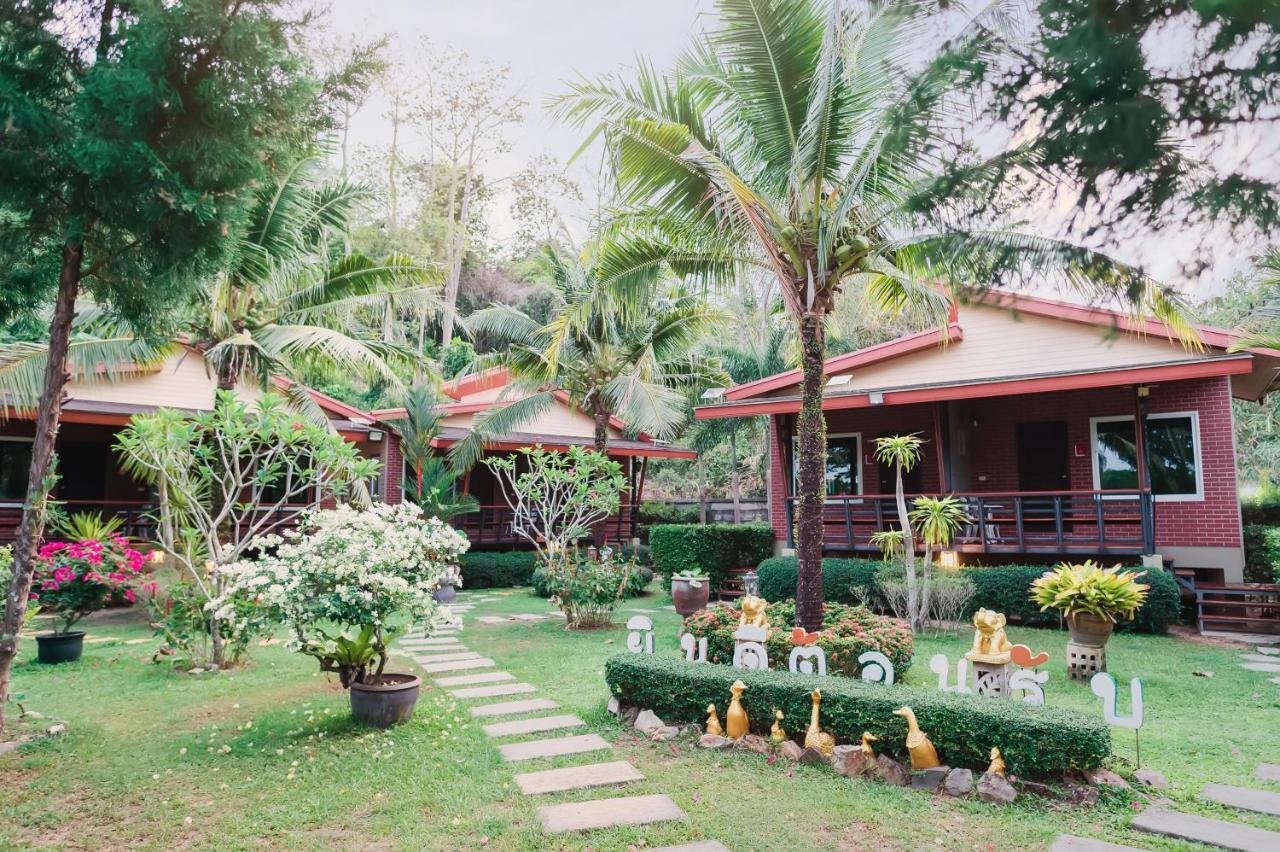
<point x="1171" y="451"/>
<point x="1117" y="455"/>
<point x="15" y="461"/>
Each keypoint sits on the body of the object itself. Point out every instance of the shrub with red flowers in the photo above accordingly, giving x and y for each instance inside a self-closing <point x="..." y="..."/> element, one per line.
<point x="75" y="578"/>
<point x="847" y="632"/>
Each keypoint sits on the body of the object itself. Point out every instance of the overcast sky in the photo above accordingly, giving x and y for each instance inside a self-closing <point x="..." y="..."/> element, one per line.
<point x="546" y="41"/>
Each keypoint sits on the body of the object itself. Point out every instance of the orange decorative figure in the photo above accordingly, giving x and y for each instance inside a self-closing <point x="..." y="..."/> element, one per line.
<point x="1021" y="655"/>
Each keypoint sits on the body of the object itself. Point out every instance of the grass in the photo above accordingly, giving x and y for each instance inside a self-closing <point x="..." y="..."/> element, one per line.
<point x="266" y="755"/>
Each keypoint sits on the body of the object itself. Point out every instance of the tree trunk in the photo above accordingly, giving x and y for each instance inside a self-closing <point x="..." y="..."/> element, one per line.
<point x="908" y="555"/>
<point x="735" y="477"/>
<point x="459" y="249"/>
<point x="702" y="492"/>
<point x="38" y="479"/>
<point x="600" y="533"/>
<point x="811" y="451"/>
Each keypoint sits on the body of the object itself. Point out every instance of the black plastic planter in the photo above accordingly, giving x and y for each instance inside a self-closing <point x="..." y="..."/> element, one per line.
<point x="54" y="648"/>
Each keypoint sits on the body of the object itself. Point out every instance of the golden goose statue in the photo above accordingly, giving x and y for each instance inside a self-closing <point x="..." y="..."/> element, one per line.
<point x="815" y="737"/>
<point x="997" y="763"/>
<point x="713" y="721"/>
<point x="736" y="721"/>
<point x="923" y="754"/>
<point x="867" y="739"/>
<point x="776" y="733"/>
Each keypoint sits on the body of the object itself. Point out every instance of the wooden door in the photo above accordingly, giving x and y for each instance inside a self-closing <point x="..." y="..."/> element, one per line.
<point x="1044" y="460"/>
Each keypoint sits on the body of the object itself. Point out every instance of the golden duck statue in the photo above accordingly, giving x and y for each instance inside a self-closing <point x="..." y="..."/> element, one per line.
<point x="997" y="763"/>
<point x="737" y="724"/>
<point x="923" y="754"/>
<point x="713" y="721"/>
<point x="867" y="739"/>
<point x="815" y="737"/>
<point x="776" y="733"/>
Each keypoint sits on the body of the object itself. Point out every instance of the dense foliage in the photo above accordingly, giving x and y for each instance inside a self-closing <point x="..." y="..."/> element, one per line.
<point x="638" y="579"/>
<point x="846" y="633"/>
<point x="849" y="581"/>
<point x="498" y="569"/>
<point x="1033" y="740"/>
<point x="708" y="549"/>
<point x="1261" y="553"/>
<point x="588" y="588"/>
<point x="76" y="578"/>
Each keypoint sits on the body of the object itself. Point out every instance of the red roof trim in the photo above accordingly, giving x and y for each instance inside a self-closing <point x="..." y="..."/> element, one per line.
<point x="512" y="446"/>
<point x="1005" y="387"/>
<point x="851" y="360"/>
<point x="494" y="377"/>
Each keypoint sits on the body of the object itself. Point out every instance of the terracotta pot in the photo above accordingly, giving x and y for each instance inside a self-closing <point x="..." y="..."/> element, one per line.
<point x="54" y="648"/>
<point x="687" y="598"/>
<point x="385" y="701"/>
<point x="1089" y="629"/>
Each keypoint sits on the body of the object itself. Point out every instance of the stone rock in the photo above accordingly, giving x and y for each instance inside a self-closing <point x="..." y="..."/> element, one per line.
<point x="647" y="721"/>
<point x="892" y="772"/>
<point x="628" y="714"/>
<point x="1035" y="788"/>
<point x="1152" y="778"/>
<point x="756" y="743"/>
<point x="852" y="762"/>
<point x="615" y="706"/>
<point x="930" y="779"/>
<point x="1099" y="777"/>
<point x="666" y="732"/>
<point x="791" y="750"/>
<point x="995" y="790"/>
<point x="714" y="741"/>
<point x="693" y="730"/>
<point x="812" y="757"/>
<point x="959" y="782"/>
<point x="1083" y="796"/>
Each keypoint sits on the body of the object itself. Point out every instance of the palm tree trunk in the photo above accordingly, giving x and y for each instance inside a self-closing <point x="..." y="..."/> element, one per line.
<point x="811" y="440"/>
<point x="39" y="482"/>
<point x="601" y="445"/>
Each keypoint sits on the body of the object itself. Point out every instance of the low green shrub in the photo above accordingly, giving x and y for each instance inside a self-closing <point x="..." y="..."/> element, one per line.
<point x="1007" y="589"/>
<point x="588" y="590"/>
<point x="637" y="580"/>
<point x="710" y="549"/>
<point x="1261" y="553"/>
<point x="1033" y="740"/>
<point x="847" y="632"/>
<point x="849" y="581"/>
<point x="496" y="570"/>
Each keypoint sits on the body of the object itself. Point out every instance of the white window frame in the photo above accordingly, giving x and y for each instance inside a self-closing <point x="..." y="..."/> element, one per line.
<point x="795" y="462"/>
<point x="18" y="439"/>
<point x="1194" y="416"/>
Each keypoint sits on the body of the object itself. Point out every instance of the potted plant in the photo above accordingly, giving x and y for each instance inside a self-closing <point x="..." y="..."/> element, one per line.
<point x="1090" y="597"/>
<point x="75" y="578"/>
<point x="341" y="582"/>
<point x="690" y="593"/>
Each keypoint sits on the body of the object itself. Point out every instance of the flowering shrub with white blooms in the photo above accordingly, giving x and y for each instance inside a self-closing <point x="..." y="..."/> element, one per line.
<point x="343" y="575"/>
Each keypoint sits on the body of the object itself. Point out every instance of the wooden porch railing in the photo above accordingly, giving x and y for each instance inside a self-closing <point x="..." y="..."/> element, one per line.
<point x="491" y="524"/>
<point x="138" y="516"/>
<point x="1041" y="522"/>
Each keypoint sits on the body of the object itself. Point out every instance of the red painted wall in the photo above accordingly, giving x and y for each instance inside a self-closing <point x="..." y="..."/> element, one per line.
<point x="1211" y="522"/>
<point x="392" y="469"/>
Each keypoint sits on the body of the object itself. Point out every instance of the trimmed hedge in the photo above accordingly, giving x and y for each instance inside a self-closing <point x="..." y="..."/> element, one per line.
<point x="1007" y="589"/>
<point x="842" y="579"/>
<point x="710" y="549"/>
<point x="482" y="570"/>
<point x="1261" y="553"/>
<point x="1035" y="740"/>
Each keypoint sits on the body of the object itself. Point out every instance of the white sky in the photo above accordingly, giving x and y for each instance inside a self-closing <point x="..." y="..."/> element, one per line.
<point x="547" y="41"/>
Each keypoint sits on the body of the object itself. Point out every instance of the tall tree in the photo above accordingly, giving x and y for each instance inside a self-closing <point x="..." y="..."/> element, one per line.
<point x="808" y="138"/>
<point x="131" y="136"/>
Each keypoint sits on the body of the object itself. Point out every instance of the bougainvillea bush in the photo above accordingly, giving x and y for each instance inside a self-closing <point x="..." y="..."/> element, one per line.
<point x="847" y="632"/>
<point x="344" y="578"/>
<point x="75" y="578"/>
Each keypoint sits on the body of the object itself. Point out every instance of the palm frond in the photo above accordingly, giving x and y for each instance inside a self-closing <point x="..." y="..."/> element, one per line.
<point x="89" y="361"/>
<point x="506" y="415"/>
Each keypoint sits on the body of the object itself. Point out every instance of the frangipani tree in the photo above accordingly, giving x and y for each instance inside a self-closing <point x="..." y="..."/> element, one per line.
<point x="904" y="452"/>
<point x="231" y="475"/>
<point x="806" y="138"/>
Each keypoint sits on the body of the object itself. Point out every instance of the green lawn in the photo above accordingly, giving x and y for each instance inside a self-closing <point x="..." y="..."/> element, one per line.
<point x="265" y="756"/>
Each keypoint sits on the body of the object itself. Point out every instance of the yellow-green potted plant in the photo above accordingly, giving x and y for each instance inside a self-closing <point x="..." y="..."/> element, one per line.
<point x="1090" y="597"/>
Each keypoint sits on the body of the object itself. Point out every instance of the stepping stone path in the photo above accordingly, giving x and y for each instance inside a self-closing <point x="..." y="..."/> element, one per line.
<point x="1217" y="832"/>
<point x="1068" y="843"/>
<point x="1269" y="772"/>
<point x="443" y="652"/>
<point x="1244" y="798"/>
<point x="1270" y="668"/>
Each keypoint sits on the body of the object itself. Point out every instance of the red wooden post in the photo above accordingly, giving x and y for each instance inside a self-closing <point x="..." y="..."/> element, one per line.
<point x="943" y="485"/>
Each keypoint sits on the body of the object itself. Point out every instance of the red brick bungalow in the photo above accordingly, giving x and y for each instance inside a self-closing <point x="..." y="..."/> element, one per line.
<point x="1028" y="408"/>
<point x="91" y="478"/>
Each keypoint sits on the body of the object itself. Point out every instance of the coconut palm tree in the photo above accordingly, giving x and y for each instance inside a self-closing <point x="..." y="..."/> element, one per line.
<point x="807" y="138"/>
<point x="635" y="364"/>
<point x="290" y="304"/>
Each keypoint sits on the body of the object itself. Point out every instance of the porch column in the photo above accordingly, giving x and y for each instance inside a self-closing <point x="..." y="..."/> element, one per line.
<point x="943" y="485"/>
<point x="1146" y="506"/>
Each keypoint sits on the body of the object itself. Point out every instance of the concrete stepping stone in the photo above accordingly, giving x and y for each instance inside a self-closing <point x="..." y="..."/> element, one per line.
<point x="536" y="725"/>
<point x="1271" y="652"/>
<point x="1211" y="832"/>
<point x="1269" y="668"/>
<point x="482" y="677"/>
<point x="702" y="846"/>
<point x="1274" y="679"/>
<point x="1070" y="843"/>
<point x="1245" y="798"/>
<point x="1260" y="658"/>
<point x="607" y="813"/>
<point x="458" y="665"/>
<point x="554" y="747"/>
<point x="1268" y="772"/>
<point x="491" y="619"/>
<point x="425" y="659"/>
<point x="577" y="777"/>
<point x="494" y="691"/>
<point x="510" y="708"/>
<point x="529" y="616"/>
<point x="433" y="642"/>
